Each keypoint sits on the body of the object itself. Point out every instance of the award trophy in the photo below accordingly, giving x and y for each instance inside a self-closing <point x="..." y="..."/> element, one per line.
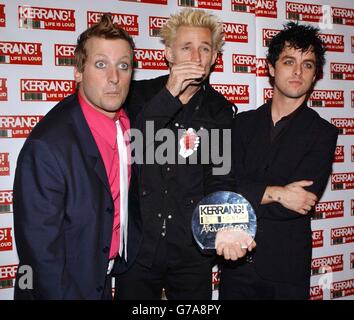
<point x="222" y="210"/>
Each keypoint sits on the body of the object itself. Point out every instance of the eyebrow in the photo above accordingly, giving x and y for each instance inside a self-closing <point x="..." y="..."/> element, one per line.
<point x="203" y="42"/>
<point x="293" y="58"/>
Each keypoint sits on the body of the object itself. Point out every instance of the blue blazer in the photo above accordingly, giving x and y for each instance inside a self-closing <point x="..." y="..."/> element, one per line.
<point x="63" y="209"/>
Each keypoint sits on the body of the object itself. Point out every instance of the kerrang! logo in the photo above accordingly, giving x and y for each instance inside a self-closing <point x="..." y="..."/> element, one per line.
<point x="129" y="22"/>
<point x="333" y="42"/>
<point x="7" y="273"/>
<point x="342" y="71"/>
<point x="4" y="162"/>
<point x="3" y="89"/>
<point x="267" y="94"/>
<point x="345" y="125"/>
<point x="219" y="64"/>
<point x="235" y="32"/>
<point x="20" y="53"/>
<point x="327" y="98"/>
<point x="243" y="63"/>
<point x="303" y="12"/>
<point x="149" y="59"/>
<point x="342" y="181"/>
<point x="327" y="264"/>
<point x="17" y="126"/>
<point x="262" y="67"/>
<point x="46" y="89"/>
<point x="235" y="93"/>
<point x="215" y="280"/>
<point x="339" y="154"/>
<point x="5" y="239"/>
<point x="342" y="235"/>
<point x="267" y="36"/>
<point x="329" y="209"/>
<point x="64" y="54"/>
<point x="46" y="18"/>
<point x="343" y="16"/>
<point x="342" y="289"/>
<point x="155" y="25"/>
<point x="6" y="201"/>
<point x="2" y="16"/>
<point x="317" y="238"/>
<point x="202" y="4"/>
<point x="148" y="1"/>
<point x="316" y="293"/>
<point x="261" y="8"/>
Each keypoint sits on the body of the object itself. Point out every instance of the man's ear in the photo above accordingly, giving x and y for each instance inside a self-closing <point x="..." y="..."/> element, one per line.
<point x="271" y="69"/>
<point x="77" y="75"/>
<point x="169" y="55"/>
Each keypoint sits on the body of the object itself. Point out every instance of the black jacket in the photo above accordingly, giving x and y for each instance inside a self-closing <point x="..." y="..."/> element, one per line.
<point x="169" y="192"/>
<point x="305" y="150"/>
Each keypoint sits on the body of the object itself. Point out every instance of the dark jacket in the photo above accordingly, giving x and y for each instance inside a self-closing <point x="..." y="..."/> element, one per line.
<point x="170" y="192"/>
<point x="63" y="208"/>
<point x="304" y="151"/>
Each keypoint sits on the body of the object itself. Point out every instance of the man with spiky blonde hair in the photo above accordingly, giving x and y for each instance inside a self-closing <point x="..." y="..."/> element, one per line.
<point x="182" y="101"/>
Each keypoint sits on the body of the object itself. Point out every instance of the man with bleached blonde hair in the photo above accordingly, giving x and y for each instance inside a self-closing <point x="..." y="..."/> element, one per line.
<point x="182" y="101"/>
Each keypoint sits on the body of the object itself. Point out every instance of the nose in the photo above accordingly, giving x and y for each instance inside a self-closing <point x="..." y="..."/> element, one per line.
<point x="195" y="56"/>
<point x="113" y="75"/>
<point x="297" y="69"/>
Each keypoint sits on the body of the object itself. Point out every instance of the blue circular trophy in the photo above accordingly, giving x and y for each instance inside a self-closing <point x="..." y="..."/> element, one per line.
<point x="222" y="210"/>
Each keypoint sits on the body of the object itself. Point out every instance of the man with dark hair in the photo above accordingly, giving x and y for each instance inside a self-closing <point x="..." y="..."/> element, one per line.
<point x="72" y="178"/>
<point x="282" y="157"/>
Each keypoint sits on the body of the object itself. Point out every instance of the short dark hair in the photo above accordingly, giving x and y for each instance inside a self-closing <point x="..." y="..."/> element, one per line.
<point x="106" y="29"/>
<point x="303" y="37"/>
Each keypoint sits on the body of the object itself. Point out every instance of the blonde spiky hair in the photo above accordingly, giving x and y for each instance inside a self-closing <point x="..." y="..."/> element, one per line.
<point x="193" y="18"/>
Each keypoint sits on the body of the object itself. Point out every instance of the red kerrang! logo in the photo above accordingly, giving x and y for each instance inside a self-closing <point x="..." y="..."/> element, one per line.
<point x="342" y="181"/>
<point x="343" y="16"/>
<point x="327" y="264"/>
<point x="243" y="63"/>
<point x="267" y="36"/>
<point x="17" y="126"/>
<point x="129" y="22"/>
<point x="219" y="64"/>
<point x="235" y="93"/>
<point x="316" y="293"/>
<point x="155" y="25"/>
<point x="339" y="154"/>
<point x="2" y="16"/>
<point x="267" y="94"/>
<point x="215" y="280"/>
<point x="342" y="71"/>
<point x="4" y="163"/>
<point x="20" y="53"/>
<point x="3" y="89"/>
<point x="262" y="67"/>
<point x="8" y="275"/>
<point x="342" y="235"/>
<point x="46" y="18"/>
<point x="345" y="125"/>
<point x="235" y="32"/>
<point x="261" y="8"/>
<point x="6" y="201"/>
<point x="342" y="289"/>
<point x="6" y="239"/>
<point x="333" y="42"/>
<point x="317" y="238"/>
<point x="329" y="209"/>
<point x="201" y="4"/>
<point x="303" y="11"/>
<point x="46" y="89"/>
<point x="148" y="1"/>
<point x="150" y="59"/>
<point x="64" y="54"/>
<point x="327" y="99"/>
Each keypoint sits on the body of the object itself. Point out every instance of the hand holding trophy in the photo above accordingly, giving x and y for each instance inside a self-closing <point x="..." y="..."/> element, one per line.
<point x="225" y="221"/>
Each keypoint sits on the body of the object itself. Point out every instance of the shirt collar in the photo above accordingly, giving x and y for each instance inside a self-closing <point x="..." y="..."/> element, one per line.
<point x="102" y="125"/>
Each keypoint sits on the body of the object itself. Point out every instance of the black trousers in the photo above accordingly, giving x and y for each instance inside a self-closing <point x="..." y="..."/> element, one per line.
<point x="181" y="279"/>
<point x="239" y="280"/>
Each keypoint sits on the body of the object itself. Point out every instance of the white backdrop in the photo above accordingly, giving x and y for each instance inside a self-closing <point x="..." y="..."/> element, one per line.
<point x="37" y="40"/>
